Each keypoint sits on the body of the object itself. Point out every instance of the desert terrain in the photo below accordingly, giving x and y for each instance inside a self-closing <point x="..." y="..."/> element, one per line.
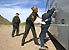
<point x="9" y="43"/>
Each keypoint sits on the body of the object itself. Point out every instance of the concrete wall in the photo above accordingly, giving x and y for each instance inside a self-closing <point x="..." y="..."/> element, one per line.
<point x="61" y="32"/>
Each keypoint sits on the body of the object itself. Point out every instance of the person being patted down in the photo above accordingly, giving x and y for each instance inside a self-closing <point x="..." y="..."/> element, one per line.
<point x="46" y="21"/>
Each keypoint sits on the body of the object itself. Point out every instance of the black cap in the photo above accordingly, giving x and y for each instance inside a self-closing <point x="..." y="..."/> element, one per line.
<point x="48" y="11"/>
<point x="34" y="8"/>
<point x="17" y="13"/>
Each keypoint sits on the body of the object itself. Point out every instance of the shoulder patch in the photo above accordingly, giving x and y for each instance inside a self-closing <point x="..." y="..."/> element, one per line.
<point x="32" y="16"/>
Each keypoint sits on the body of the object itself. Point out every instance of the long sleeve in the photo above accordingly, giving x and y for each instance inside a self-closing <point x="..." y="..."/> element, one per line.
<point x="13" y="21"/>
<point x="19" y="20"/>
<point x="51" y="12"/>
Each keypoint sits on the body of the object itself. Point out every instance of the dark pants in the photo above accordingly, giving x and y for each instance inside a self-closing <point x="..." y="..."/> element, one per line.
<point x="44" y="29"/>
<point x="27" y="28"/>
<point x="15" y="29"/>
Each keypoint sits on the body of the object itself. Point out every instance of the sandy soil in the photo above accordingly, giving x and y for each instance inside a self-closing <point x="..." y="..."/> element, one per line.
<point x="9" y="43"/>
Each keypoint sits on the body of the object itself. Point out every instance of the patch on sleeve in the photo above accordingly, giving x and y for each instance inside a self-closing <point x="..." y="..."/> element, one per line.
<point x="32" y="16"/>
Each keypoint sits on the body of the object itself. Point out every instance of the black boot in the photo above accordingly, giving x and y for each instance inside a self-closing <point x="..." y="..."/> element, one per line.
<point x="22" y="44"/>
<point x="12" y="34"/>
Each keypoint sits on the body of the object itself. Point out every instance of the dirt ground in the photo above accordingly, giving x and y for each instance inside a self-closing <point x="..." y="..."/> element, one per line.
<point x="9" y="43"/>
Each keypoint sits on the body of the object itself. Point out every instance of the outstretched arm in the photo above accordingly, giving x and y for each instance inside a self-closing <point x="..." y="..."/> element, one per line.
<point x="40" y="17"/>
<point x="51" y="12"/>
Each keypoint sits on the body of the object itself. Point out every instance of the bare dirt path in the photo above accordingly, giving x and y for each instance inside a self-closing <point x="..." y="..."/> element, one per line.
<point x="9" y="43"/>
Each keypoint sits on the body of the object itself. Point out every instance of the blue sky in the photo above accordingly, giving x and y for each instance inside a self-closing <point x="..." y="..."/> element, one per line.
<point x="8" y="8"/>
<point x="23" y="3"/>
<point x="23" y="7"/>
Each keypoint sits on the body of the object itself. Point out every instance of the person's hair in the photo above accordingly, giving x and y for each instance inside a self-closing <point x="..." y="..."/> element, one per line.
<point x="17" y="13"/>
<point x="48" y="11"/>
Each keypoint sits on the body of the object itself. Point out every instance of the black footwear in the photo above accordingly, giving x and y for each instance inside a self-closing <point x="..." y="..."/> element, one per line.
<point x="37" y="44"/>
<point x="12" y="35"/>
<point x="46" y="47"/>
<point x="22" y="44"/>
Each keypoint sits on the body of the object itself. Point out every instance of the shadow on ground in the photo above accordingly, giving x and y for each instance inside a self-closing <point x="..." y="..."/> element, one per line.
<point x="57" y="45"/>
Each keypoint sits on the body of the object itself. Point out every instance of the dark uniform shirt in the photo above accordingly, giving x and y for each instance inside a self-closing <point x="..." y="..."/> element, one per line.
<point x="16" y="20"/>
<point x="48" y="15"/>
<point x="32" y="18"/>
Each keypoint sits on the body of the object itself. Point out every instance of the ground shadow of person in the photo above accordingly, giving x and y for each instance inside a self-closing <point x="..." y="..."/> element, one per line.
<point x="19" y="34"/>
<point x="57" y="45"/>
<point x="45" y="40"/>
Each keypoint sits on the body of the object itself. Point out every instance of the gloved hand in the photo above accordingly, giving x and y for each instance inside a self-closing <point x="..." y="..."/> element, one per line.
<point x="37" y="23"/>
<point x="46" y="20"/>
<point x="42" y="23"/>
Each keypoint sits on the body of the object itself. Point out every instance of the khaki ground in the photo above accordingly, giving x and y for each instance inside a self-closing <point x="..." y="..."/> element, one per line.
<point x="9" y="43"/>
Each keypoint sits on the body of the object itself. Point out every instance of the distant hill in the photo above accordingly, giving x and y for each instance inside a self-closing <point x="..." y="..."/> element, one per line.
<point x="3" y="20"/>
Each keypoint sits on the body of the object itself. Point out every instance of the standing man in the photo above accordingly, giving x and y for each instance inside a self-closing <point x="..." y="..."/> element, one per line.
<point x="15" y="22"/>
<point x="46" y="19"/>
<point x="30" y="25"/>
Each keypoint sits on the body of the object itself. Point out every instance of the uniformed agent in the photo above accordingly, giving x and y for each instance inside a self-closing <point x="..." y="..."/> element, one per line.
<point x="15" y="22"/>
<point x="46" y="17"/>
<point x="30" y="25"/>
